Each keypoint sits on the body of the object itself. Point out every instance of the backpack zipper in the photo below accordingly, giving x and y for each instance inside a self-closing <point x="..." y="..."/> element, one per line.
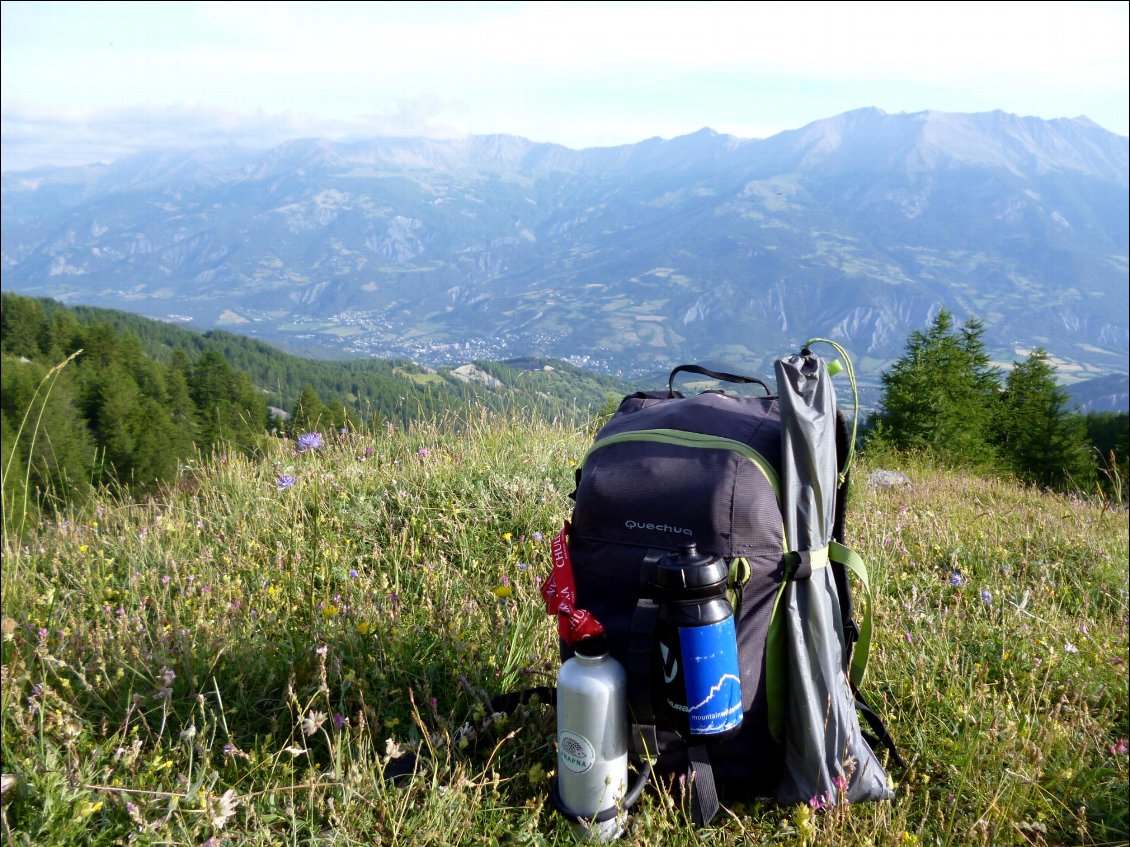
<point x="682" y="438"/>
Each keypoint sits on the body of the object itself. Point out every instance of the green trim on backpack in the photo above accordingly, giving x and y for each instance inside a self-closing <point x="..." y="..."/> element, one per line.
<point x="846" y="365"/>
<point x="776" y="674"/>
<point x="852" y="561"/>
<point x="682" y="438"/>
<point x="776" y="669"/>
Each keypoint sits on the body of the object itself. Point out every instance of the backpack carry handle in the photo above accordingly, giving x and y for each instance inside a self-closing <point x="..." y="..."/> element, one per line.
<point x="719" y="375"/>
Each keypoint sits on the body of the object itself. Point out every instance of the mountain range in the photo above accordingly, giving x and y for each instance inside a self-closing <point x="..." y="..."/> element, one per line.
<point x="626" y="259"/>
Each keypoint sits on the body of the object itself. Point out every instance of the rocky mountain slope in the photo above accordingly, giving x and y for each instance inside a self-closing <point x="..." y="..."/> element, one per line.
<point x="705" y="247"/>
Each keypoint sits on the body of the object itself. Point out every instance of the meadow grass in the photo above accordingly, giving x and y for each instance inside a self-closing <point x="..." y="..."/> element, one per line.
<point x="253" y="657"/>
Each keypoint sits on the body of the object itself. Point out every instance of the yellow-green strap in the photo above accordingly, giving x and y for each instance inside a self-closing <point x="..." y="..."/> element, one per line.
<point x="834" y="367"/>
<point x="851" y="560"/>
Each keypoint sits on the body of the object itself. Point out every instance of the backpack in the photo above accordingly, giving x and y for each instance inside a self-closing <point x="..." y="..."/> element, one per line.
<point x="760" y="482"/>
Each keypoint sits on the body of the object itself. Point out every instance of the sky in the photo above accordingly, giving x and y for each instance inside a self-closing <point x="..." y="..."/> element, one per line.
<point x="84" y="82"/>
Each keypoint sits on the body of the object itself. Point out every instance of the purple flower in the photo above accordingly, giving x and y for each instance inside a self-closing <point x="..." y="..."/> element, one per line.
<point x="538" y="537"/>
<point x="956" y="580"/>
<point x="1070" y="648"/>
<point x="339" y="720"/>
<point x="310" y="441"/>
<point x="284" y="482"/>
<point x="353" y="573"/>
<point x="986" y="597"/>
<point x="816" y="802"/>
<point x="368" y="452"/>
<point x="422" y="452"/>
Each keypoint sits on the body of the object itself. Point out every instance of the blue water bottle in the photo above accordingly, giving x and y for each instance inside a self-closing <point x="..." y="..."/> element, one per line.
<point x="695" y="663"/>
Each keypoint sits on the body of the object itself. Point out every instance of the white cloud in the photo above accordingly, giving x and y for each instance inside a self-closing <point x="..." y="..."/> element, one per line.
<point x="580" y="74"/>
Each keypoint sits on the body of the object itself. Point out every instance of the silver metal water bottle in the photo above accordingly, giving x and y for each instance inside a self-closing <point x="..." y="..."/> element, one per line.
<point x="592" y="738"/>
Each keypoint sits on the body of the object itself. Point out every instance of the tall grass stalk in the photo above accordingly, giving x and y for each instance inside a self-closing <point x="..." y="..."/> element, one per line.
<point x="44" y="389"/>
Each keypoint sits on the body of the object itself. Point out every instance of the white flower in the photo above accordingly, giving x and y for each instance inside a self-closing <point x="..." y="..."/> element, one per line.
<point x="224" y="808"/>
<point x="392" y="749"/>
<point x="313" y="722"/>
<point x="294" y="751"/>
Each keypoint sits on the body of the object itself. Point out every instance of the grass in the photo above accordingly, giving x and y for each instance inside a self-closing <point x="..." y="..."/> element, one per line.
<point x="246" y="659"/>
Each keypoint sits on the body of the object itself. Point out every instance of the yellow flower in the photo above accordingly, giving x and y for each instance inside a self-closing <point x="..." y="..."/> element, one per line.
<point x="503" y="591"/>
<point x="82" y="548"/>
<point x="363" y="628"/>
<point x="329" y="611"/>
<point x="506" y="536"/>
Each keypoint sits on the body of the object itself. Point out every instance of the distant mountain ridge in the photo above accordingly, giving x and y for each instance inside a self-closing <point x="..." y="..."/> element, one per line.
<point x="630" y="259"/>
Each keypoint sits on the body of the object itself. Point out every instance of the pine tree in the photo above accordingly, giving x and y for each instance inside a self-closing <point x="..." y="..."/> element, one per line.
<point x="309" y="414"/>
<point x="1040" y="440"/>
<point x="941" y="396"/>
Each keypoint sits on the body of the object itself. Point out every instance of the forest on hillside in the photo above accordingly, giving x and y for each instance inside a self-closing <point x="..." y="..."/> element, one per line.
<point x="94" y="397"/>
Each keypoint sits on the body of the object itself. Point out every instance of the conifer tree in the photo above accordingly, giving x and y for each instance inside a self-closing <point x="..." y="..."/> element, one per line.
<point x="1040" y="440"/>
<point x="941" y="396"/>
<point x="309" y="414"/>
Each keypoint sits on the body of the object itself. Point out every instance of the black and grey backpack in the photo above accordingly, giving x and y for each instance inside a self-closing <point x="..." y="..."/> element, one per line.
<point x="760" y="482"/>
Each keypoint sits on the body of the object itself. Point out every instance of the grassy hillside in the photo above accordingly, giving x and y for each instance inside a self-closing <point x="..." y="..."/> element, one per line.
<point x="370" y="388"/>
<point x="244" y="659"/>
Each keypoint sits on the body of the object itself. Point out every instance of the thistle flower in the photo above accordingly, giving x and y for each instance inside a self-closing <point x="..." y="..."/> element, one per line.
<point x="310" y="441"/>
<point x="224" y="808"/>
<point x="313" y="722"/>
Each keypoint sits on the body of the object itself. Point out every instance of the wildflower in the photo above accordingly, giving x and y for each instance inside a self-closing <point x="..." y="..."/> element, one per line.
<point x="536" y="774"/>
<point x="368" y="452"/>
<point x="294" y="750"/>
<point x="522" y="566"/>
<point x="1068" y="647"/>
<point x="310" y="441"/>
<point x="188" y="734"/>
<point x="986" y="597"/>
<point x="339" y="720"/>
<point x="224" y="808"/>
<point x="284" y="482"/>
<point x="363" y="628"/>
<point x="343" y="432"/>
<point x="1120" y="748"/>
<point x="422" y="452"/>
<point x="312" y="722"/>
<point x="908" y="638"/>
<point x="504" y="581"/>
<point x="321" y="651"/>
<point x="143" y="534"/>
<point x="503" y="591"/>
<point x="841" y="783"/>
<point x="538" y="537"/>
<point x="506" y="536"/>
<point x="353" y="573"/>
<point x="816" y="802"/>
<point x="329" y="611"/>
<point x="956" y="580"/>
<point x="392" y="749"/>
